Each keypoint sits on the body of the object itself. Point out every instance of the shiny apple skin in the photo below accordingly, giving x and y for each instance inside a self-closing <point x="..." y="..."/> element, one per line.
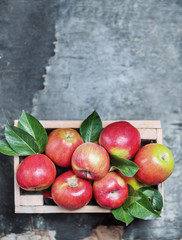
<point x="156" y="164"/>
<point x="111" y="191"/>
<point x="36" y="172"/>
<point x="61" y="144"/>
<point x="90" y="161"/>
<point x="132" y="181"/>
<point x="70" y="191"/>
<point x="120" y="139"/>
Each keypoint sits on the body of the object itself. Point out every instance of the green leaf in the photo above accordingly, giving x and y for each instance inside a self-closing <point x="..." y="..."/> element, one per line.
<point x="122" y="214"/>
<point x="31" y="125"/>
<point x="154" y="196"/>
<point x="91" y="128"/>
<point x="138" y="204"/>
<point x="6" y="149"/>
<point x="127" y="167"/>
<point x="20" y="141"/>
<point x="132" y="197"/>
<point x="143" y="208"/>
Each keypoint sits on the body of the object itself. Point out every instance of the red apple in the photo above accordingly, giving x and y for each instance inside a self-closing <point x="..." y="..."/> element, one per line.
<point x="90" y="161"/>
<point x="132" y="181"/>
<point x="61" y="145"/>
<point x="156" y="163"/>
<point x="70" y="191"/>
<point x="120" y="139"/>
<point x="110" y="191"/>
<point x="35" y="173"/>
<point x="47" y="194"/>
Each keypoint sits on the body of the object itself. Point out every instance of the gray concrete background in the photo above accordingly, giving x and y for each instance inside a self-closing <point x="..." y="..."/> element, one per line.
<point x="122" y="58"/>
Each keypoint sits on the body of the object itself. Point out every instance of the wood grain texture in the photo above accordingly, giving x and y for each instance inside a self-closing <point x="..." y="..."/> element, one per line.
<point x="16" y="187"/>
<point x="141" y="124"/>
<point x="56" y="209"/>
<point x="31" y="200"/>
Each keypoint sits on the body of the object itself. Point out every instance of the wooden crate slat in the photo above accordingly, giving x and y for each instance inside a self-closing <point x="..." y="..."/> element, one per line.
<point x="16" y="187"/>
<point x="31" y="200"/>
<point x="76" y="123"/>
<point x="16" y="123"/>
<point x="56" y="209"/>
<point x="149" y="134"/>
<point x="159" y="136"/>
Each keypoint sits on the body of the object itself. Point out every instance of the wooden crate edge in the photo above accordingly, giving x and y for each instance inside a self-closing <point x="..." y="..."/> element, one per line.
<point x="142" y="124"/>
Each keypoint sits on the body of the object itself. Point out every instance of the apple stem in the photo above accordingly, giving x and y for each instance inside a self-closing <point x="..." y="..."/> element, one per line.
<point x="163" y="157"/>
<point x="88" y="174"/>
<point x="69" y="136"/>
<point x="73" y="182"/>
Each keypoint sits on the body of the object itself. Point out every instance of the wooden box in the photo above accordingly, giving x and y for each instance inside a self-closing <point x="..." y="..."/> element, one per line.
<point x="150" y="131"/>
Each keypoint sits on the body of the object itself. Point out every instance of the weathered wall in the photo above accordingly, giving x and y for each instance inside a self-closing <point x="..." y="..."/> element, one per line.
<point x="122" y="58"/>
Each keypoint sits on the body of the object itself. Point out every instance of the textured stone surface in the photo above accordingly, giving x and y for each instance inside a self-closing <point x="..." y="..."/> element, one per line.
<point x="33" y="235"/>
<point x="122" y="58"/>
<point x="26" y="43"/>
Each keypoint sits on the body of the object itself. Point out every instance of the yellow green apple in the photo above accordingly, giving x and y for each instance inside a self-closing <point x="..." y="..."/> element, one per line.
<point x="132" y="181"/>
<point x="156" y="163"/>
